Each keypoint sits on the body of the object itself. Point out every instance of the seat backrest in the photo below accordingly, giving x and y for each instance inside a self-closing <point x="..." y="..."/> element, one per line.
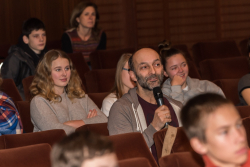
<point x="181" y="143"/>
<point x="244" y="111"/>
<point x="98" y="81"/>
<point x="24" y="110"/>
<point x="4" y="50"/>
<point x="244" y="48"/>
<point x="246" y="123"/>
<point x="26" y="87"/>
<point x="230" y="89"/>
<point x="100" y="128"/>
<point x="182" y="159"/>
<point x="138" y="162"/>
<point x="132" y="145"/>
<point x="26" y="139"/>
<point x="193" y="71"/>
<point x="11" y="90"/>
<point x="107" y="59"/>
<point x="228" y="68"/>
<point x="80" y="65"/>
<point x="32" y="156"/>
<point x="55" y="44"/>
<point x="214" y="50"/>
<point x="98" y="98"/>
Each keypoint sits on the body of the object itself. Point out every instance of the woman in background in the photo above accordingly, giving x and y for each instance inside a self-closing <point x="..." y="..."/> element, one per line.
<point x="10" y="121"/>
<point x="179" y="85"/>
<point x="122" y="83"/>
<point x="84" y="35"/>
<point x="58" y="99"/>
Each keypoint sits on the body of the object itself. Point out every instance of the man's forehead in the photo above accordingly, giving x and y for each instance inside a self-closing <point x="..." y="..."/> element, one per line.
<point x="145" y="55"/>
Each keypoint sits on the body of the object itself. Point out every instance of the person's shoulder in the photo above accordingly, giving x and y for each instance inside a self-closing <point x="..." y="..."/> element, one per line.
<point x="245" y="78"/>
<point x="38" y="99"/>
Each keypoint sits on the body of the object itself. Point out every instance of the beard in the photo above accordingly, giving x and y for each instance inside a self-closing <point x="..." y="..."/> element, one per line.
<point x="146" y="84"/>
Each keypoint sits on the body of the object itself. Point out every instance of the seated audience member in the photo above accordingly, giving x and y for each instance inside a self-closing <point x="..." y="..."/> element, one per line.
<point x="58" y="99"/>
<point x="84" y="36"/>
<point x="244" y="85"/>
<point x="122" y="84"/>
<point x="10" y="121"/>
<point x="84" y="149"/>
<point x="214" y="128"/>
<point x="137" y="111"/>
<point x="179" y="85"/>
<point x="24" y="57"/>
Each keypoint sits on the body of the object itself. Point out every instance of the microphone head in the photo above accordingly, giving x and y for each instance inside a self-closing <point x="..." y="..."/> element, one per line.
<point x="157" y="92"/>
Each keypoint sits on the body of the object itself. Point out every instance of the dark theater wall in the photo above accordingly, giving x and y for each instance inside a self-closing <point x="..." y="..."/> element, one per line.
<point x="136" y="23"/>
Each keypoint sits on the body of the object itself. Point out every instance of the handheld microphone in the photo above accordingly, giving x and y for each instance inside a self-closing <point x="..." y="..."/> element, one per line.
<point x="159" y="97"/>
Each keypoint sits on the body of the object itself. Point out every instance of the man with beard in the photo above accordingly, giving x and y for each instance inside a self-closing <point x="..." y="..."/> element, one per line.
<point x="137" y="111"/>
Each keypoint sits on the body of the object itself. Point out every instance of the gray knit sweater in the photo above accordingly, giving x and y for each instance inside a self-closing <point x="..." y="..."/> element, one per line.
<point x="46" y="115"/>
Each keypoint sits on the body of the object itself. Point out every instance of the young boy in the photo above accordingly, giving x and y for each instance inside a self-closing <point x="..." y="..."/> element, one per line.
<point x="214" y="128"/>
<point x="84" y="149"/>
<point x="24" y="57"/>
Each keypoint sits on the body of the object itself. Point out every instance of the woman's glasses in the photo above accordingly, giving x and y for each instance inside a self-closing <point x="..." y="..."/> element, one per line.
<point x="125" y="69"/>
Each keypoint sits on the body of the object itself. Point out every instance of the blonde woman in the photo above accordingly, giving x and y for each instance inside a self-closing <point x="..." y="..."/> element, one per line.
<point x="58" y="99"/>
<point x="122" y="83"/>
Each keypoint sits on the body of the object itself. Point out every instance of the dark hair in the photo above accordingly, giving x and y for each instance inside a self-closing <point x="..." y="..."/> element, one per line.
<point x="79" y="146"/>
<point x="166" y="51"/>
<point x="32" y="24"/>
<point x="77" y="11"/>
<point x="194" y="113"/>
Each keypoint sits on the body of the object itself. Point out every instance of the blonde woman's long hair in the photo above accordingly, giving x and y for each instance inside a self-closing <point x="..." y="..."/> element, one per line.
<point x="118" y="86"/>
<point x="43" y="84"/>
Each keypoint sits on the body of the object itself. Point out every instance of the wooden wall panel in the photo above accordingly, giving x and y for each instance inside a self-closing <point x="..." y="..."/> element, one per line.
<point x="136" y="23"/>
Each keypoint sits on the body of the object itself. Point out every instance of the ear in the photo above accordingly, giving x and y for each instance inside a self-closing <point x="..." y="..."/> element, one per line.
<point x="77" y="19"/>
<point x="132" y="75"/>
<point x="25" y="39"/>
<point x="165" y="74"/>
<point x="198" y="146"/>
<point x="249" y="55"/>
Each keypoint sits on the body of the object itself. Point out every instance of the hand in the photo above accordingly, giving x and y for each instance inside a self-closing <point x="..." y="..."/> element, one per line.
<point x="177" y="80"/>
<point x="92" y="113"/>
<point x="162" y="115"/>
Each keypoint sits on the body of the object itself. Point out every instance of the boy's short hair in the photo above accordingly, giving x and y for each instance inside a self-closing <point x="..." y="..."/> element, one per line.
<point x="195" y="112"/>
<point x="32" y="24"/>
<point x="78" y="147"/>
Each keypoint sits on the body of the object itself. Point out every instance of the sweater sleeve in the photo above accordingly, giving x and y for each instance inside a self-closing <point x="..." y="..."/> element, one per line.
<point x="120" y="122"/>
<point x="100" y="118"/>
<point x="66" y="43"/>
<point x="43" y="117"/>
<point x="103" y="42"/>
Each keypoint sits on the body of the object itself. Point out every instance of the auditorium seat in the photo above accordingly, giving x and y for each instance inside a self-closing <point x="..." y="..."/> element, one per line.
<point x="4" y="48"/>
<point x="181" y="143"/>
<point x="214" y="50"/>
<point x="230" y="89"/>
<point x="227" y="68"/>
<point x="28" y="156"/>
<point x="244" y="111"/>
<point x="24" y="111"/>
<point x="132" y="145"/>
<point x="98" y="98"/>
<point x="80" y="65"/>
<point x="26" y="87"/>
<point x="101" y="80"/>
<point x="193" y="71"/>
<point x="182" y="159"/>
<point x="107" y="59"/>
<point x="244" y="47"/>
<point x="11" y="90"/>
<point x="99" y="128"/>
<point x="55" y="44"/>
<point x="26" y="139"/>
<point x="134" y="162"/>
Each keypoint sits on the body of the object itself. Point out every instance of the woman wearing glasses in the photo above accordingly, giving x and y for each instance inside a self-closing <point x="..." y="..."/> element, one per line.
<point x="122" y="83"/>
